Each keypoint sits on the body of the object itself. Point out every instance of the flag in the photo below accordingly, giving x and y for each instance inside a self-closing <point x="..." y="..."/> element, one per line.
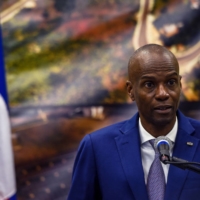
<point x="7" y="173"/>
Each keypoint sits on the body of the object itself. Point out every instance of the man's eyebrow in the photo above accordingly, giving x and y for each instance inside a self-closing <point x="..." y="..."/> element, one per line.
<point x="173" y="74"/>
<point x="148" y="76"/>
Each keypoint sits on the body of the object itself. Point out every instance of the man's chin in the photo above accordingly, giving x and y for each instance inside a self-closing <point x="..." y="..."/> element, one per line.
<point x="160" y="122"/>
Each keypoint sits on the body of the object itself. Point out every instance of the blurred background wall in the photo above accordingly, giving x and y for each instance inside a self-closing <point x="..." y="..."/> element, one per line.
<point x="66" y="68"/>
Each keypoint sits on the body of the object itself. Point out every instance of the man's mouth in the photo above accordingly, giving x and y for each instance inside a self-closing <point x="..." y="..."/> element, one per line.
<point x="163" y="109"/>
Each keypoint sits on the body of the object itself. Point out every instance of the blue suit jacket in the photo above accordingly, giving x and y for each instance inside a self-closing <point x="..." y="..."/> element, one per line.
<point x="108" y="164"/>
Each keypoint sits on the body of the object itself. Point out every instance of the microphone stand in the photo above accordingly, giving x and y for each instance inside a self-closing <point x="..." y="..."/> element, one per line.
<point x="183" y="164"/>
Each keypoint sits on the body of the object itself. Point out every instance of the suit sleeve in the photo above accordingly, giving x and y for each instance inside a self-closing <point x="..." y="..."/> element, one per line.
<point x="84" y="179"/>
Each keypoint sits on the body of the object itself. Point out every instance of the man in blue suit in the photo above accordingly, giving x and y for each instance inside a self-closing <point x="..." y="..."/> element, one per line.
<point x="113" y="163"/>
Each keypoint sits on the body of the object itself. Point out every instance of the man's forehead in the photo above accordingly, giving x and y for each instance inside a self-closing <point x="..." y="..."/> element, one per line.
<point x="151" y="58"/>
<point x="155" y="62"/>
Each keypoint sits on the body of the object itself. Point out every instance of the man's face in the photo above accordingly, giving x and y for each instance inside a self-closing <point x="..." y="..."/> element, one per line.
<point x="156" y="88"/>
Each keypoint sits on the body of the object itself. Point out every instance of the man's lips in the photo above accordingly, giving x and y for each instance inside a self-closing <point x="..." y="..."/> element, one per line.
<point x="163" y="108"/>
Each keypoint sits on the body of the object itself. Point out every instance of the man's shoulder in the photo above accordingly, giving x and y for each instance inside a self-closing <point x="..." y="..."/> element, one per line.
<point x="186" y="121"/>
<point x="194" y="122"/>
<point x="116" y="129"/>
<point x="113" y="129"/>
<point x="104" y="136"/>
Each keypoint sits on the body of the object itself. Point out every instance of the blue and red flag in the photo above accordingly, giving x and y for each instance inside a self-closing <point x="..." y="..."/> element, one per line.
<point x="7" y="172"/>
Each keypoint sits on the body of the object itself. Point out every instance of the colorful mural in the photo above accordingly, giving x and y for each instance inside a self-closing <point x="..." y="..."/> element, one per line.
<point x="59" y="52"/>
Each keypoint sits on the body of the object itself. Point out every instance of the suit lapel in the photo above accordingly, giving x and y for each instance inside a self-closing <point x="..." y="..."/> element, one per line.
<point x="128" y="145"/>
<point x="177" y="176"/>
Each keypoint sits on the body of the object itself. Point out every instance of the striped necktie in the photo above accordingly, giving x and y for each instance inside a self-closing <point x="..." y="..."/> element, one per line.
<point x="156" y="178"/>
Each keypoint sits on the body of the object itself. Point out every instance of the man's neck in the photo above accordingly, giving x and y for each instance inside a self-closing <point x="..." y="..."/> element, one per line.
<point x="159" y="130"/>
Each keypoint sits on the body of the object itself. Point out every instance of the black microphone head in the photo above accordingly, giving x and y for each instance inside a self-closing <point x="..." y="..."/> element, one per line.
<point x="162" y="140"/>
<point x="163" y="146"/>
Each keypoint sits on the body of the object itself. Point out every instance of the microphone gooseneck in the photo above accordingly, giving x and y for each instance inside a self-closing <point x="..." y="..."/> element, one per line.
<point x="163" y="145"/>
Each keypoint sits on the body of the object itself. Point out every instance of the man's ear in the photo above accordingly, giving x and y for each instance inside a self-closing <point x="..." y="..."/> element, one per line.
<point x="129" y="87"/>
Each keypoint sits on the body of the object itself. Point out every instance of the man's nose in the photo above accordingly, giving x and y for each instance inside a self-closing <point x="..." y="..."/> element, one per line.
<point x="161" y="93"/>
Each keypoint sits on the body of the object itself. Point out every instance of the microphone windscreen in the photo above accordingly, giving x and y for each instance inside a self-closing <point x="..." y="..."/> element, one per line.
<point x="162" y="139"/>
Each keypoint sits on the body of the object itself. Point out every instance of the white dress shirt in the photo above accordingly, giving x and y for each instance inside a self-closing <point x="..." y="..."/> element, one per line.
<point x="147" y="151"/>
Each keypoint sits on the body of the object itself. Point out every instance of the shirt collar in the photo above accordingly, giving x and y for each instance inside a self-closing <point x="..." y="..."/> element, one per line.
<point x="145" y="136"/>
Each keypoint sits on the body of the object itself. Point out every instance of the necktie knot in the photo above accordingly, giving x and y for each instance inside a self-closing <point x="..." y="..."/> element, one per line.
<point x="152" y="144"/>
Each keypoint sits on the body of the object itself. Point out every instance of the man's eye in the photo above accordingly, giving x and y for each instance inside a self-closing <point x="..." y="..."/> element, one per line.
<point x="149" y="84"/>
<point x="171" y="82"/>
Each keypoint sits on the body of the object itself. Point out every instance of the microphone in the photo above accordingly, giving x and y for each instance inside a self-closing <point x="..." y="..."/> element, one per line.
<point x="163" y="145"/>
